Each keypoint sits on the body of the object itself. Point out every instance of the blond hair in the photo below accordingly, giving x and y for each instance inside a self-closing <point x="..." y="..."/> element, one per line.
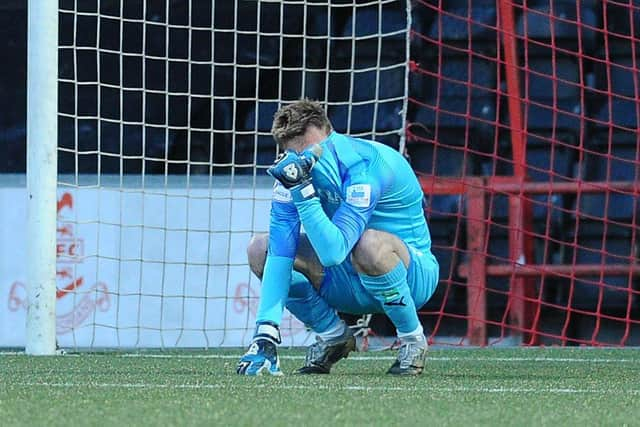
<point x="291" y="121"/>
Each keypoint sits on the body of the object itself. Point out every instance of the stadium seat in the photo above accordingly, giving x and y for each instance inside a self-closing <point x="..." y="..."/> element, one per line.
<point x="379" y="72"/>
<point x="622" y="165"/>
<point x="613" y="149"/>
<point x="555" y="22"/>
<point x="545" y="163"/>
<point x="616" y="104"/>
<point x="290" y="85"/>
<point x="606" y="222"/>
<point x="467" y="25"/>
<point x="621" y="18"/>
<point x="294" y="69"/>
<point x="375" y="37"/>
<point x="619" y="249"/>
<point x="245" y="43"/>
<point x="551" y="82"/>
<point x="448" y="159"/>
<point x="441" y="210"/>
<point x="439" y="160"/>
<point x="552" y="116"/>
<point x="385" y="86"/>
<point x="459" y="104"/>
<point x="552" y="87"/>
<point x="498" y="253"/>
<point x="254" y="142"/>
<point x="446" y="239"/>
<point x="549" y="164"/>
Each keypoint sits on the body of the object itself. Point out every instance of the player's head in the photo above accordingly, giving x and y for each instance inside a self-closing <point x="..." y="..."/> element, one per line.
<point x="299" y="124"/>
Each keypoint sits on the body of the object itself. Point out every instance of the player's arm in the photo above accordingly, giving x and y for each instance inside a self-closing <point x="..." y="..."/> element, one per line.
<point x="284" y="231"/>
<point x="332" y="239"/>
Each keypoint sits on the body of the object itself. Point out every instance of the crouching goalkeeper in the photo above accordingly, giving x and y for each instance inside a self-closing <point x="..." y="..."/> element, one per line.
<point x="366" y="246"/>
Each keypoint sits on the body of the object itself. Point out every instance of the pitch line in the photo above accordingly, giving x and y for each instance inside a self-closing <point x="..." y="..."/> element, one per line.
<point x="370" y="358"/>
<point x="333" y="387"/>
<point x="362" y="358"/>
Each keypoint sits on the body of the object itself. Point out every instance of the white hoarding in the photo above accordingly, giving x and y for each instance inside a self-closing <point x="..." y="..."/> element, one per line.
<point x="143" y="267"/>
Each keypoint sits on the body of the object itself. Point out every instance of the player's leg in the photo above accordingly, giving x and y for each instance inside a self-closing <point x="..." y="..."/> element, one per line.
<point x="382" y="261"/>
<point x="306" y="260"/>
<point x="335" y="340"/>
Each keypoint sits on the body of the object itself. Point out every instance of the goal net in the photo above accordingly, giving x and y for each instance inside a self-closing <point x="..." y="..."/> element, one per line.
<point x="165" y="109"/>
<point x="519" y="116"/>
<point x="527" y="113"/>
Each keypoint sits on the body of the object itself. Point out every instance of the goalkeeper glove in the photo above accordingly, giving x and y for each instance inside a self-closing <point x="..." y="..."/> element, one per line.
<point x="262" y="355"/>
<point x="293" y="171"/>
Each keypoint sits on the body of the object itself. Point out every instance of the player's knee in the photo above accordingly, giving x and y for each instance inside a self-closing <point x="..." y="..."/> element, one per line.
<point x="257" y="253"/>
<point x="370" y="252"/>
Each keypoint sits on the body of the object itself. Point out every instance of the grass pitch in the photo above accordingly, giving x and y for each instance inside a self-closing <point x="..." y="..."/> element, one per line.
<point x="459" y="387"/>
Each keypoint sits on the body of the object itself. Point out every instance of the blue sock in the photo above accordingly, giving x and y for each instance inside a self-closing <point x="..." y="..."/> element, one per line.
<point x="305" y="303"/>
<point x="392" y="290"/>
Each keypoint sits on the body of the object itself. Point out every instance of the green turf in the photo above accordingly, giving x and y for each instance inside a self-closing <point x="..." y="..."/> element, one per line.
<point x="459" y="387"/>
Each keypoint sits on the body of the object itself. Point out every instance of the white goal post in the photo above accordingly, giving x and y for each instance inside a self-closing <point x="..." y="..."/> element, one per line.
<point x="42" y="169"/>
<point x="162" y="111"/>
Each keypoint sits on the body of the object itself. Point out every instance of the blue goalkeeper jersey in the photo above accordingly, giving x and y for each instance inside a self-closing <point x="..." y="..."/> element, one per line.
<point x="360" y="184"/>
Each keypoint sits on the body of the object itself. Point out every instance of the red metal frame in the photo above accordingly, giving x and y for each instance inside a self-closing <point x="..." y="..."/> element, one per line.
<point x="476" y="283"/>
<point x="522" y="302"/>
<point x="507" y="30"/>
<point x="523" y="305"/>
<point x="520" y="250"/>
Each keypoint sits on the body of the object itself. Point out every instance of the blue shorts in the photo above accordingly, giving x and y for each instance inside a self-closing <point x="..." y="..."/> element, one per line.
<point x="342" y="289"/>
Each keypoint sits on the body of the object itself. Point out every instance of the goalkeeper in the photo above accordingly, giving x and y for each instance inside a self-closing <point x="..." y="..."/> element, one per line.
<point x="366" y="246"/>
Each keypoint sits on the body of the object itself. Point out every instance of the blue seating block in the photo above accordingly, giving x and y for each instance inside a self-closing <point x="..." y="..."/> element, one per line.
<point x="470" y="25"/>
<point x="622" y="18"/>
<point x="542" y="23"/>
<point x="552" y="88"/>
<point x="616" y="295"/>
<point x="374" y="92"/>
<point x="624" y="108"/>
<point x="622" y="166"/>
<point x="459" y="95"/>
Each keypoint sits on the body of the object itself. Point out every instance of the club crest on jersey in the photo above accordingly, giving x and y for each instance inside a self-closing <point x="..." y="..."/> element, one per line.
<point x="281" y="194"/>
<point x="359" y="195"/>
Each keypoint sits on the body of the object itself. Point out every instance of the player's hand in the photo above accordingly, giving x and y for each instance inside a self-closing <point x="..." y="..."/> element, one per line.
<point x="262" y="355"/>
<point x="292" y="169"/>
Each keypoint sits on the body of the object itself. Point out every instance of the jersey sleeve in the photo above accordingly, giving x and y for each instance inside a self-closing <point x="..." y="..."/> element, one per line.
<point x="333" y="239"/>
<point x="284" y="231"/>
<point x="284" y="225"/>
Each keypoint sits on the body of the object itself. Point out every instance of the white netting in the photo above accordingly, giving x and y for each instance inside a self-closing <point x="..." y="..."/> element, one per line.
<point x="164" y="117"/>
